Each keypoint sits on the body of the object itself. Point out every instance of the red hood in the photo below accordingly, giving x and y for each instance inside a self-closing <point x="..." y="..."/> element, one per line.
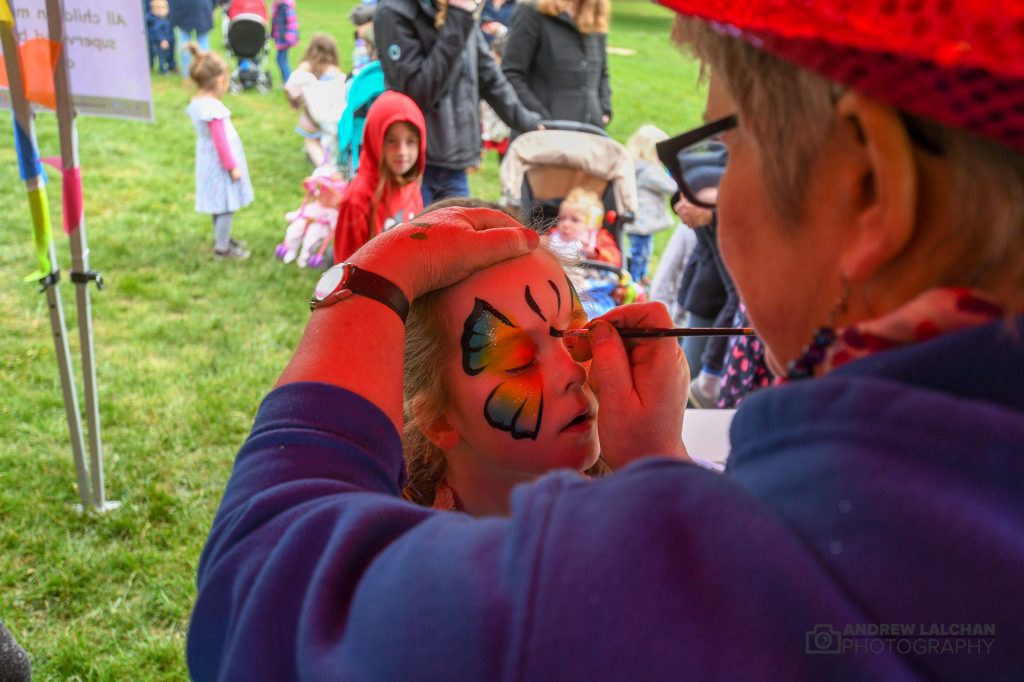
<point x="358" y="218"/>
<point x="390" y="107"/>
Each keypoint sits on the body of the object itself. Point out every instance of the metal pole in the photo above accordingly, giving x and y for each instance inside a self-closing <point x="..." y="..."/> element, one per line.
<point x="50" y="285"/>
<point x="81" y="275"/>
<point x="36" y="188"/>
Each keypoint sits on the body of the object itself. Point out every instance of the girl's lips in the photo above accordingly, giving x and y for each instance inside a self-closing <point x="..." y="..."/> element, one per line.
<point x="580" y="422"/>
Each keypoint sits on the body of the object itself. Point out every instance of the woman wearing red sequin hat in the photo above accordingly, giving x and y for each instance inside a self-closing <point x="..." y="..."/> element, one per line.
<point x="870" y="521"/>
<point x="908" y="123"/>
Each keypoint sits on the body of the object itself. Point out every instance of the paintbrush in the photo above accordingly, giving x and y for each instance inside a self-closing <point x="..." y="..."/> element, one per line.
<point x="633" y="333"/>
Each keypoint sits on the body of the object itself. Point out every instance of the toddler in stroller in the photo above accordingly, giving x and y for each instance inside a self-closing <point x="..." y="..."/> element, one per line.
<point x="245" y="36"/>
<point x="311" y="226"/>
<point x="578" y="167"/>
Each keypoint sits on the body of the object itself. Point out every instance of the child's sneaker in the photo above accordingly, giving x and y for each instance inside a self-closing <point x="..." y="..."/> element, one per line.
<point x="235" y="251"/>
<point x="704" y="390"/>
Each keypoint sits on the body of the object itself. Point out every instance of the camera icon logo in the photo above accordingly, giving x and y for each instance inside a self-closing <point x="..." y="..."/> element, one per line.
<point x="823" y="639"/>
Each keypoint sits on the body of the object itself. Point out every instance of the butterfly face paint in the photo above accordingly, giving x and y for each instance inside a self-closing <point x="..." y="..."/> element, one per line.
<point x="491" y="342"/>
<point x="578" y="346"/>
<point x="516" y="399"/>
<point x="577" y="315"/>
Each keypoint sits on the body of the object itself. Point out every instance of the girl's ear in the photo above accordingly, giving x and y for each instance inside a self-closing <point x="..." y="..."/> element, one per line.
<point x="434" y="426"/>
<point x="443" y="435"/>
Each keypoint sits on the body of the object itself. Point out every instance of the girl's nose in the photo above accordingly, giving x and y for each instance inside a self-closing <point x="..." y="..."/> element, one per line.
<point x="571" y="374"/>
<point x="578" y="347"/>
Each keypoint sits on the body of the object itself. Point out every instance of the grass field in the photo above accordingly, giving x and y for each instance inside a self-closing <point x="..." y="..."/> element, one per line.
<point x="186" y="347"/>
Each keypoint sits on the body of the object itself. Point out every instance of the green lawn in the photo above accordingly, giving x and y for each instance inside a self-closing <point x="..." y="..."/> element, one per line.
<point x="186" y="347"/>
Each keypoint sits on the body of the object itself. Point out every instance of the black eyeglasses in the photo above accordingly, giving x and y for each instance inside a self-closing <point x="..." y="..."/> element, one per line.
<point x="696" y="160"/>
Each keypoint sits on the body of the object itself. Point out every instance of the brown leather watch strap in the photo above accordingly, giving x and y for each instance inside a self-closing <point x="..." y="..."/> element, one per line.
<point x="355" y="280"/>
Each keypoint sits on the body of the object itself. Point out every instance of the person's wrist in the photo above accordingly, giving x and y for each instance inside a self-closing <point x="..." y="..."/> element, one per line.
<point x="389" y="271"/>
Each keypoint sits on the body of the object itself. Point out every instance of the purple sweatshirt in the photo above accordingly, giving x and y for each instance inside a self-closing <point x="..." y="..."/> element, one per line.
<point x="870" y="525"/>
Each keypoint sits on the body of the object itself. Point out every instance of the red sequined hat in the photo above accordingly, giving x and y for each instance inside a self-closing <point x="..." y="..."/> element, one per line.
<point x="960" y="62"/>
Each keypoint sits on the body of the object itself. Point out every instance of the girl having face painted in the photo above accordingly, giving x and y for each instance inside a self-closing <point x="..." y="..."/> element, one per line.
<point x="492" y="399"/>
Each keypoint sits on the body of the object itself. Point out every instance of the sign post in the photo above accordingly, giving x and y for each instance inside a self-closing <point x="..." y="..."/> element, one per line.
<point x="48" y="273"/>
<point x="72" y="56"/>
<point x="74" y="224"/>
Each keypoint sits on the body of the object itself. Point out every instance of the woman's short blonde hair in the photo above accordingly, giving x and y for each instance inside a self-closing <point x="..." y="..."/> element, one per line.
<point x="984" y="243"/>
<point x="591" y="16"/>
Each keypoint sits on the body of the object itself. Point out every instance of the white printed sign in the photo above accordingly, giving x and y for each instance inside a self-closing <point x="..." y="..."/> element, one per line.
<point x="107" y="51"/>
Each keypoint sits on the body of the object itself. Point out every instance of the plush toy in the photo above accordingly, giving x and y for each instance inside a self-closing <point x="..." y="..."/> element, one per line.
<point x="628" y="291"/>
<point x="311" y="226"/>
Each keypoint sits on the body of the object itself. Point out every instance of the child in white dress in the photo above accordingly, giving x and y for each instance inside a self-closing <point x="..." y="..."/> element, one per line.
<point x="222" y="177"/>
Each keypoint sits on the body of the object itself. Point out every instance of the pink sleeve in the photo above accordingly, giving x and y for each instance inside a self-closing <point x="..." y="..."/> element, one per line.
<point x="220" y="141"/>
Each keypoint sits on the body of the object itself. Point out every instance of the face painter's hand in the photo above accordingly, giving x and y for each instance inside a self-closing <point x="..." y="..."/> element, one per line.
<point x="443" y="247"/>
<point x="641" y="385"/>
<point x="468" y="5"/>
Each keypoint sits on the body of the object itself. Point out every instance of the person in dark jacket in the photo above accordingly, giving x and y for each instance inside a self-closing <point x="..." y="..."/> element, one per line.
<point x="701" y="290"/>
<point x="434" y="52"/>
<point x="557" y="62"/>
<point x="191" y="17"/>
<point x="712" y="287"/>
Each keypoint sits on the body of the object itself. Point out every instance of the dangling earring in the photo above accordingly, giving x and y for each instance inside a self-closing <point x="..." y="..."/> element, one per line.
<point x="814" y="352"/>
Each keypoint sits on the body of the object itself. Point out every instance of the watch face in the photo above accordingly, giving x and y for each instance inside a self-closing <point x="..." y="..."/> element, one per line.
<point x="329" y="281"/>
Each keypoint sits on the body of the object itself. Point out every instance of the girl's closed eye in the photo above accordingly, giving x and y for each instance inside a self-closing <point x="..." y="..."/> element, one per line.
<point x="526" y="366"/>
<point x="520" y="355"/>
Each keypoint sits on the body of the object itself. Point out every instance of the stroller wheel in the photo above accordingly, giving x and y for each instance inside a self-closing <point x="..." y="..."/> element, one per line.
<point x="263" y="82"/>
<point x="315" y="260"/>
<point x="280" y="250"/>
<point x="235" y="86"/>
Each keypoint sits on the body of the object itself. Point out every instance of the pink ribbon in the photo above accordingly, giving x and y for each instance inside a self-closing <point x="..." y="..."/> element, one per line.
<point x="71" y="193"/>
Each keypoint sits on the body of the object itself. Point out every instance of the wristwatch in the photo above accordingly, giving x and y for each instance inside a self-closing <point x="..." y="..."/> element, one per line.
<point x="345" y="279"/>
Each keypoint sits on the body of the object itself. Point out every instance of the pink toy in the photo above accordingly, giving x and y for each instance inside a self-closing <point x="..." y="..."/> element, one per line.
<point x="311" y="227"/>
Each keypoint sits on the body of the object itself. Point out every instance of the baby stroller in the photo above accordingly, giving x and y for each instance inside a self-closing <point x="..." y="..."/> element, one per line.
<point x="542" y="166"/>
<point x="311" y="227"/>
<point x="246" y="39"/>
<point x="364" y="89"/>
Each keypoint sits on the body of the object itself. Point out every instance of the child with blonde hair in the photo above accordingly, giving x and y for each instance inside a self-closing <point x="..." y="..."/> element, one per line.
<point x="579" y="233"/>
<point x="654" y="189"/>
<point x="579" y="228"/>
<point x="222" y="177"/>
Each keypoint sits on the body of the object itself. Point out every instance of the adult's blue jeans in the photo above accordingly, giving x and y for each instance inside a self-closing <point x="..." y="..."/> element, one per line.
<point x="184" y="38"/>
<point x="639" y="255"/>
<point x="441" y="183"/>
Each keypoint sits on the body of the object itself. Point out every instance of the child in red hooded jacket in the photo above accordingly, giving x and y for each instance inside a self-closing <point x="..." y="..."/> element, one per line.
<point x="386" y="190"/>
